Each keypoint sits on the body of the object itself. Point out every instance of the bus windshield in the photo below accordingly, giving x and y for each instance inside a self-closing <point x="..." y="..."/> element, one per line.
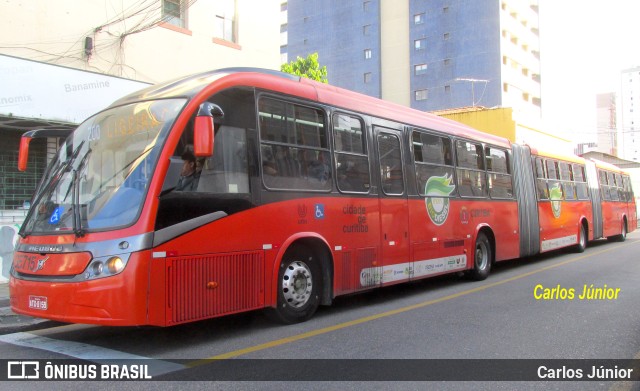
<point x="99" y="176"/>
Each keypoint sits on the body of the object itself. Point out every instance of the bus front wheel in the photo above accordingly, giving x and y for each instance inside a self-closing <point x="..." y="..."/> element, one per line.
<point x="481" y="258"/>
<point x="299" y="286"/>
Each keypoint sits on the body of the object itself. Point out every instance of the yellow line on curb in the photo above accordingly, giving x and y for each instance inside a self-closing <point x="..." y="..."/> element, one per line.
<point x="355" y="322"/>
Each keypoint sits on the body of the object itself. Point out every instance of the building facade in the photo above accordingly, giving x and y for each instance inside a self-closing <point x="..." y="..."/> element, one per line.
<point x="607" y="129"/>
<point x="144" y="40"/>
<point x="429" y="55"/>
<point x="630" y="114"/>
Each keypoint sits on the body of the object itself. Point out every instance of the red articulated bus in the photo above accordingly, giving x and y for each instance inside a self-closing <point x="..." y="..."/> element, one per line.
<point x="302" y="192"/>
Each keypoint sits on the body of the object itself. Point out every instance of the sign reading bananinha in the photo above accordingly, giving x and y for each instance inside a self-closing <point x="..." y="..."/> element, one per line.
<point x="437" y="190"/>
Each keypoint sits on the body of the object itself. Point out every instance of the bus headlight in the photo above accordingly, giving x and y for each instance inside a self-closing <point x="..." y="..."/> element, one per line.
<point x="106" y="266"/>
<point x="115" y="265"/>
<point x="97" y="268"/>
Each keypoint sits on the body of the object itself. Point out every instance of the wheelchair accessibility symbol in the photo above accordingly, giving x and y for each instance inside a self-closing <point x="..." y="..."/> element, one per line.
<point x="55" y="216"/>
<point x="319" y="211"/>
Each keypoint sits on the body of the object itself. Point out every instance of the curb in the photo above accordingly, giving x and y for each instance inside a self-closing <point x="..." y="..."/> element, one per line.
<point x="11" y="322"/>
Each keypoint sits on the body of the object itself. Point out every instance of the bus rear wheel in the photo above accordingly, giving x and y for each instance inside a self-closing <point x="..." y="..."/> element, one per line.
<point x="482" y="258"/>
<point x="582" y="240"/>
<point x="299" y="286"/>
<point x="623" y="234"/>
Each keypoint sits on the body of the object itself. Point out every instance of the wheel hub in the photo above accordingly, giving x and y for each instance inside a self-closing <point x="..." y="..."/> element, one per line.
<point x="482" y="258"/>
<point x="296" y="284"/>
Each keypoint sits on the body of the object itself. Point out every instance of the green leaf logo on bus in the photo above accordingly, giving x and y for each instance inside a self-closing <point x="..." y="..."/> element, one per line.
<point x="555" y="195"/>
<point x="436" y="190"/>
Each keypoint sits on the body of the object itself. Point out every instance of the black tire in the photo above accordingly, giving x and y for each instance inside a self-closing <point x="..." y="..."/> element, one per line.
<point x="623" y="234"/>
<point x="482" y="258"/>
<point x="582" y="240"/>
<point x="299" y="286"/>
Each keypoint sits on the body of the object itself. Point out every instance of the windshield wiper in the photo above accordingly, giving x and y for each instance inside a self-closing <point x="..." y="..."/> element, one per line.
<point x="75" y="206"/>
<point x="55" y="179"/>
<point x="78" y="230"/>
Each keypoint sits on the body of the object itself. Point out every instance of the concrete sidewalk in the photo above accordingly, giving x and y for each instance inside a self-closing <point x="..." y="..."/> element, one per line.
<point x="11" y="322"/>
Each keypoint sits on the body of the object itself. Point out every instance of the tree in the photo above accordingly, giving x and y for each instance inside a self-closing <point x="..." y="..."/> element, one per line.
<point x="307" y="67"/>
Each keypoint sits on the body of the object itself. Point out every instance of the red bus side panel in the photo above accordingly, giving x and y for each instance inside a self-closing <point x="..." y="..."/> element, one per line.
<point x="201" y="287"/>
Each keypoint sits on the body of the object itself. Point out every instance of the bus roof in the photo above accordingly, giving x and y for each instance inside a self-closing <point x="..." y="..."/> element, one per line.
<point x="578" y="159"/>
<point x="192" y="85"/>
<point x="608" y="166"/>
<point x="554" y="155"/>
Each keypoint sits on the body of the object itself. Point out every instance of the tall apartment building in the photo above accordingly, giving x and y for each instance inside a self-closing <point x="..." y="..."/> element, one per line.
<point x="630" y="114"/>
<point x="607" y="130"/>
<point x="426" y="54"/>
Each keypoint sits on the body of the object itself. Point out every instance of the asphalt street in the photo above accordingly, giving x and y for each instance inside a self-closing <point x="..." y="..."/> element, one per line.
<point x="522" y="314"/>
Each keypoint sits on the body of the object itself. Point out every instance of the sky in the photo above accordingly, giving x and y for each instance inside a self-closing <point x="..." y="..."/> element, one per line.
<point x="584" y="44"/>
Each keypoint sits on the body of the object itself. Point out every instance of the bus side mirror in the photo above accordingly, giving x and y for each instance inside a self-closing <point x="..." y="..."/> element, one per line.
<point x="23" y="154"/>
<point x="203" y="130"/>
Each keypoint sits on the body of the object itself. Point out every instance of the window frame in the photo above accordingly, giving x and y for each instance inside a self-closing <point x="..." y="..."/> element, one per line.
<point x="471" y="169"/>
<point x="221" y="17"/>
<point x="381" y="132"/>
<point x="420" y="95"/>
<point x="448" y="163"/>
<point x="542" y="187"/>
<point x="492" y="174"/>
<point x="170" y="18"/>
<point x="582" y="188"/>
<point x="420" y="69"/>
<point x="565" y="172"/>
<point x="337" y="153"/>
<point x="328" y="187"/>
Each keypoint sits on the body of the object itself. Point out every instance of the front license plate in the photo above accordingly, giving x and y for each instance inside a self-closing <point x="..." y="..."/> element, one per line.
<point x="38" y="302"/>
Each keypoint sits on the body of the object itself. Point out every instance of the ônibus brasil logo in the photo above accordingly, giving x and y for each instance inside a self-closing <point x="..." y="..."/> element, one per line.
<point x="555" y="195"/>
<point x="436" y="190"/>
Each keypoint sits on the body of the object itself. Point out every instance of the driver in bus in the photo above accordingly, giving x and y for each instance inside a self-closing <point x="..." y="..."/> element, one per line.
<point x="189" y="175"/>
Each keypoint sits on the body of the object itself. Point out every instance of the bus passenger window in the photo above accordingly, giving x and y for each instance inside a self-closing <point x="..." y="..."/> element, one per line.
<point x="352" y="162"/>
<point x="498" y="173"/>
<point x="471" y="175"/>
<point x="567" y="181"/>
<point x="613" y="189"/>
<point x="628" y="188"/>
<point x="581" y="183"/>
<point x="294" y="148"/>
<point x="555" y="186"/>
<point x="620" y="188"/>
<point x="604" y="186"/>
<point x="541" y="180"/>
<point x="432" y="157"/>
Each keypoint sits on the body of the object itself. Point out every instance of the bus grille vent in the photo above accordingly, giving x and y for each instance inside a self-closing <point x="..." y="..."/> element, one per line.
<point x="212" y="285"/>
